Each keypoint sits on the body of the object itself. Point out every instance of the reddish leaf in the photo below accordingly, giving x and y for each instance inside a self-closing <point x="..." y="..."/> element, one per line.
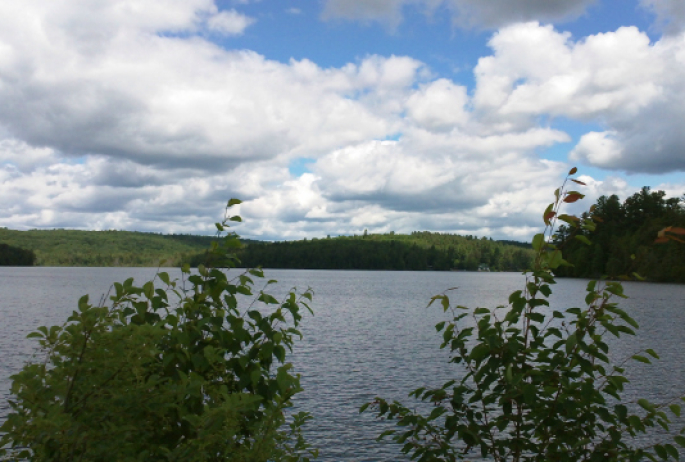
<point x="548" y="216"/>
<point x="573" y="171"/>
<point x="661" y="240"/>
<point x="578" y="181"/>
<point x="573" y="197"/>
<point x="674" y="230"/>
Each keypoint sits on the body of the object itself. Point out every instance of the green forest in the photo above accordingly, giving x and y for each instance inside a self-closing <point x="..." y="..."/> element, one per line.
<point x="59" y="247"/>
<point x="418" y="251"/>
<point x="623" y="242"/>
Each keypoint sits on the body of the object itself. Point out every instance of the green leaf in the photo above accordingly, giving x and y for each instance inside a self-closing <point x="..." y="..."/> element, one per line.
<point x="680" y="440"/>
<point x="83" y="303"/>
<point x="164" y="277"/>
<point x="538" y="241"/>
<point x="255" y="376"/>
<point x="149" y="289"/>
<point x="646" y="405"/>
<point x="571" y="342"/>
<point x="675" y="409"/>
<point x="582" y="239"/>
<point x="641" y="359"/>
<point x="672" y="451"/>
<point x="555" y="259"/>
<point x="651" y="352"/>
<point x="537" y="317"/>
<point x="233" y="202"/>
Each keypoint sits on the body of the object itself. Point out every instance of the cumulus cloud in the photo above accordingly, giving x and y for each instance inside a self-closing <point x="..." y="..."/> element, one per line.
<point x="619" y="79"/>
<point x="440" y="105"/>
<point x="466" y="13"/>
<point x="158" y="100"/>
<point x="597" y="148"/>
<point x="118" y="119"/>
<point x="230" y="22"/>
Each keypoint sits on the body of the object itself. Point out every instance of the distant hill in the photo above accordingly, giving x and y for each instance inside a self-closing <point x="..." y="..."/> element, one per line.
<point x="419" y="250"/>
<point x="61" y="247"/>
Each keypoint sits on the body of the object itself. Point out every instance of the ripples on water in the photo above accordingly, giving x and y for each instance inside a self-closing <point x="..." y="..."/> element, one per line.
<point x="371" y="335"/>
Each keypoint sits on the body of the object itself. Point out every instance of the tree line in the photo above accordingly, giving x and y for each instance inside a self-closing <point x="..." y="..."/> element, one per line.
<point x="624" y="239"/>
<point x="419" y="251"/>
<point x="60" y="247"/>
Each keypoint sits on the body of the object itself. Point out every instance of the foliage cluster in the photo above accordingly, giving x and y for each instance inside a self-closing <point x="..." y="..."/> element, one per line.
<point x="418" y="251"/>
<point x="61" y="247"/>
<point x="15" y="256"/>
<point x="167" y="371"/>
<point x="624" y="239"/>
<point x="535" y="383"/>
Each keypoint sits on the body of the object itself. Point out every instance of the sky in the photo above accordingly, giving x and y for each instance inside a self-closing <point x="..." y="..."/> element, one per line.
<point x="331" y="117"/>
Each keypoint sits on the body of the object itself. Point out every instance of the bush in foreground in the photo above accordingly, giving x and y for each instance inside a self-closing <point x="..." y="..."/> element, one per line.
<point x="167" y="371"/>
<point x="536" y="384"/>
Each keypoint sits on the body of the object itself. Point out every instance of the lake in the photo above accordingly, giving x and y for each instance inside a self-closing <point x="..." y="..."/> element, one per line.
<point x="371" y="334"/>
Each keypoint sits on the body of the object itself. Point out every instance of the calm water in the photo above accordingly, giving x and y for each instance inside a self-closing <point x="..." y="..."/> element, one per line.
<point x="371" y="335"/>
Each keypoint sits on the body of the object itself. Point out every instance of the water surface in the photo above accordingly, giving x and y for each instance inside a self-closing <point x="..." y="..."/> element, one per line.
<point x="371" y="335"/>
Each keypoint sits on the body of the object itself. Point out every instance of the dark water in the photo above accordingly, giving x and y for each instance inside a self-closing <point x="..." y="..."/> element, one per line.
<point x="371" y="335"/>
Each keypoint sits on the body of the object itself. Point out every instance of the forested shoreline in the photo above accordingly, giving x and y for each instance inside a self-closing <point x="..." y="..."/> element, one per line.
<point x="623" y="242"/>
<point x="418" y="251"/>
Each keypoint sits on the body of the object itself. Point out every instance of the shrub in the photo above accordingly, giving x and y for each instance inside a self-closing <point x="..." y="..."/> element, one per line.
<point x="537" y="384"/>
<point x="167" y="371"/>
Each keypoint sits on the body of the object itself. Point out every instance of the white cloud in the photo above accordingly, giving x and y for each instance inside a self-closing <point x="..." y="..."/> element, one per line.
<point x="19" y="155"/>
<point x="618" y="79"/>
<point x="230" y="22"/>
<point x="440" y="105"/>
<point x="599" y="149"/>
<point x="163" y="100"/>
<point x="112" y="122"/>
